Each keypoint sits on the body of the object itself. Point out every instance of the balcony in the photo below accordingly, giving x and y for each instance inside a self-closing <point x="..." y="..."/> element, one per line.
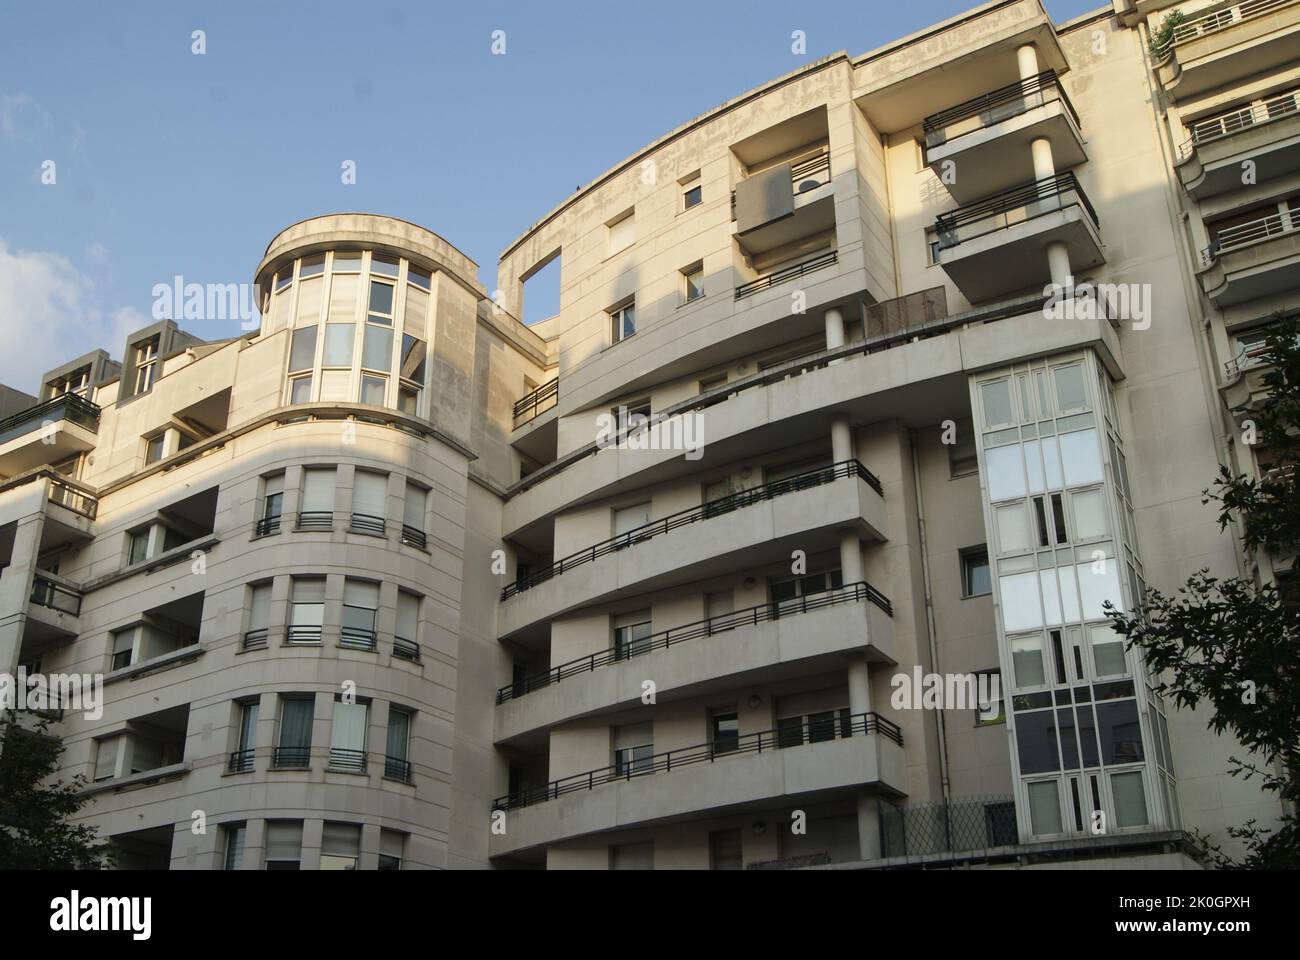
<point x="803" y="755"/>
<point x="397" y="768"/>
<point x="1267" y="133"/>
<point x="316" y="520"/>
<point x="367" y="524"/>
<point x="535" y="402"/>
<point x="47" y="433"/>
<point x="1228" y="43"/>
<point x="414" y="537"/>
<point x="783" y="204"/>
<point x="291" y="758"/>
<point x="1251" y="260"/>
<point x="988" y="138"/>
<point x="241" y="761"/>
<point x="996" y="246"/>
<point x="753" y="525"/>
<point x="778" y="277"/>
<point x="801" y="636"/>
<point x="54" y="611"/>
<point x="351" y="761"/>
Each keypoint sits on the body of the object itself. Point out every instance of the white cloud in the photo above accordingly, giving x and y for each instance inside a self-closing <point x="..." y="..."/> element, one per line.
<point x="48" y="316"/>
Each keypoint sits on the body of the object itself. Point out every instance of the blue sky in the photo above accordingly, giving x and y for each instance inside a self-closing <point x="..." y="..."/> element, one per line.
<point x="170" y="163"/>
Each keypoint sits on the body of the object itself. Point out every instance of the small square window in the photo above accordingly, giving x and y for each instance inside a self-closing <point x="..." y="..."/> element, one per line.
<point x="975" y="577"/>
<point x="692" y="196"/>
<point x="622" y="323"/>
<point x="153" y="448"/>
<point x="300" y="390"/>
<point x="373" y="389"/>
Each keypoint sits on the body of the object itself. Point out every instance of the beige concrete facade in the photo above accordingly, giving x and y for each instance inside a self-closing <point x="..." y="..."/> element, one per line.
<point x="397" y="580"/>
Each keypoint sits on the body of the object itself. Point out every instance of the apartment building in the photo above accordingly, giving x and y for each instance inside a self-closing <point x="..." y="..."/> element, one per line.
<point x="900" y="364"/>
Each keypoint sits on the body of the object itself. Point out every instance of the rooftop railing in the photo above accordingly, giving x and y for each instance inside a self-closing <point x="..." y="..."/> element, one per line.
<point x="1011" y="207"/>
<point x="708" y="627"/>
<point x="1225" y="125"/>
<point x="792" y="732"/>
<point x="706" y="511"/>
<point x="1225" y="16"/>
<point x="70" y="407"/>
<point x="996" y="106"/>
<point x="536" y="401"/>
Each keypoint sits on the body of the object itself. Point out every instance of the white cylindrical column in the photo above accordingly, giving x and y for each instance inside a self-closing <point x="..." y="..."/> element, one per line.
<point x="1058" y="262"/>
<point x="850" y="559"/>
<point x="842" y="440"/>
<point x="859" y="687"/>
<point x="1027" y="61"/>
<point x="834" y="329"/>
<point x="1044" y="165"/>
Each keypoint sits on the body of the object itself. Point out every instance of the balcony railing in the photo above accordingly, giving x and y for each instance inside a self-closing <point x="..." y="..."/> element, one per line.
<point x="805" y="175"/>
<point x="70" y="498"/>
<point x="305" y="634"/>
<point x="353" y="761"/>
<point x="1223" y="17"/>
<point x="241" y="761"/>
<point x="255" y="639"/>
<point x="788" y="273"/>
<point x="316" y="520"/>
<point x="269" y="525"/>
<point x="69" y="407"/>
<point x="414" y="537"/>
<point x="708" y="627"/>
<point x="47" y="593"/>
<point x="997" y="106"/>
<point x="1011" y="207"/>
<point x="535" y="401"/>
<point x="964" y="825"/>
<point x="1225" y="125"/>
<point x="405" y="649"/>
<point x="793" y="732"/>
<point x="1249" y="234"/>
<point x="706" y="511"/>
<point x="365" y="523"/>
<point x="355" y="638"/>
<point x="283" y="758"/>
<point x="397" y="768"/>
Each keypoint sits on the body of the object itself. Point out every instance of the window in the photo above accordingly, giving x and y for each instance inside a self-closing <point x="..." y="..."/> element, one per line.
<point x="272" y="504"/>
<point x="137" y="547"/>
<point x="621" y="232"/>
<point x="316" y="512"/>
<point x="413" y="510"/>
<point x="380" y="309"/>
<point x="692" y="191"/>
<point x="306" y="610"/>
<point x="975" y="578"/>
<point x="713" y="382"/>
<point x="338" y="344"/>
<point x="146" y="364"/>
<point x="242" y="760"/>
<point x="283" y="844"/>
<point x="725" y="850"/>
<point x="348" y="736"/>
<point x="1012" y="524"/>
<point x="369" y="500"/>
<point x="1089" y="514"/>
<point x="360" y="607"/>
<point x="1027" y="660"/>
<point x="312" y="266"/>
<point x="406" y="639"/>
<point x="693" y="281"/>
<point x="396" y="760"/>
<point x="234" y="835"/>
<point x="962" y="458"/>
<point x="300" y="389"/>
<point x="392" y="847"/>
<point x="383" y="266"/>
<point x="633" y="749"/>
<point x="153" y="448"/>
<point x="632" y="415"/>
<point x="1130" y="799"/>
<point x="377" y="350"/>
<point x="791" y="594"/>
<point x="108" y="755"/>
<point x="124" y="648"/>
<point x="347" y="261"/>
<point x="622" y="322"/>
<point x="628" y="519"/>
<point x="1107" y="650"/>
<point x="632" y="856"/>
<point x="1044" y="807"/>
<point x="1070" y="392"/>
<point x="293" y="749"/>
<point x="724" y="732"/>
<point x="373" y="390"/>
<point x="991" y="707"/>
<point x="631" y="634"/>
<point x="259" y="615"/>
<point x="421" y="278"/>
<point x="995" y="397"/>
<point x="302" y="349"/>
<point x="340" y="846"/>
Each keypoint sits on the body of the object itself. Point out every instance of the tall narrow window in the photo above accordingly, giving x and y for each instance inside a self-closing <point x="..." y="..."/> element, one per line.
<point x="137" y="546"/>
<point x="360" y="608"/>
<point x="259" y="615"/>
<point x="306" y="610"/>
<point x="348" y="736"/>
<point x="124" y="648"/>
<point x="633" y="749"/>
<point x="272" y="504"/>
<point x="413" y="511"/>
<point x="406" y="643"/>
<point x="316" y="512"/>
<point x="392" y="848"/>
<point x="340" y="846"/>
<point x="146" y="364"/>
<point x="293" y="748"/>
<point x="369" y="499"/>
<point x="631" y="634"/>
<point x="241" y="760"/>
<point x="725" y="731"/>
<point x="622" y="322"/>
<point x="975" y="577"/>
<point x="397" y="764"/>
<point x="233" y="855"/>
<point x="621" y="232"/>
<point x="693" y="281"/>
<point x="725" y="850"/>
<point x="108" y="754"/>
<point x="283" y="844"/>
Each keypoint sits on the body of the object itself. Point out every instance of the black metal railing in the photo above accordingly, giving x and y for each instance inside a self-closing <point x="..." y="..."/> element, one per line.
<point x="316" y="520"/>
<point x="535" y="401"/>
<point x="47" y="593"/>
<point x="1029" y="200"/>
<point x="706" y="511"/>
<point x="356" y="638"/>
<point x="365" y="523"/>
<point x="269" y="525"/>
<point x="70" y="407"/>
<point x="241" y="761"/>
<point x="1249" y="234"/>
<point x="1222" y="17"/>
<point x="708" y="627"/>
<point x="1225" y="125"/>
<point x="70" y="498"/>
<point x="968" y="824"/>
<point x="405" y="649"/>
<point x="1017" y="97"/>
<point x="351" y="760"/>
<point x="787" y="273"/>
<point x="414" y="537"/>
<point x="397" y="768"/>
<point x="256" y="639"/>
<point x="285" y="757"/>
<point x="811" y="729"/>
<point x="303" y="633"/>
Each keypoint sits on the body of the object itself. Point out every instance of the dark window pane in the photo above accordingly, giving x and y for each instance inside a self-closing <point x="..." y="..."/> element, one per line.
<point x="1036" y="738"/>
<point x="1121" y="734"/>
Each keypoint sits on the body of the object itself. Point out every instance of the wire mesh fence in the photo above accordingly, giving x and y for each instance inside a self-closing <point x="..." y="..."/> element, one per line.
<point x="971" y="823"/>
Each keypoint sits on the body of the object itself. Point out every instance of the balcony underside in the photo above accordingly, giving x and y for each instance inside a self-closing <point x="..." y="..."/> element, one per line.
<point x="47" y="627"/>
<point x="810" y="773"/>
<point x="814" y="213"/>
<point x="997" y="157"/>
<point x="748" y="536"/>
<point x="45" y="444"/>
<point x="1232" y="54"/>
<point x="1215" y="167"/>
<point x="796" y="645"/>
<point x="1260" y="270"/>
<point x="1014" y="258"/>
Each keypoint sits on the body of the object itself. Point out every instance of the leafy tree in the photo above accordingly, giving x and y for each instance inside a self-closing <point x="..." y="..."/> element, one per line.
<point x="34" y="829"/>
<point x="1234" y="644"/>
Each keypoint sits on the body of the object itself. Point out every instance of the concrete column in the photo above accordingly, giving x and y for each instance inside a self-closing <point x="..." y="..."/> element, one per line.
<point x="868" y="827"/>
<point x="834" y="329"/>
<point x="1027" y="61"/>
<point x="851" y="559"/>
<point x="842" y="439"/>
<point x="1044" y="165"/>
<point x="1058" y="262"/>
